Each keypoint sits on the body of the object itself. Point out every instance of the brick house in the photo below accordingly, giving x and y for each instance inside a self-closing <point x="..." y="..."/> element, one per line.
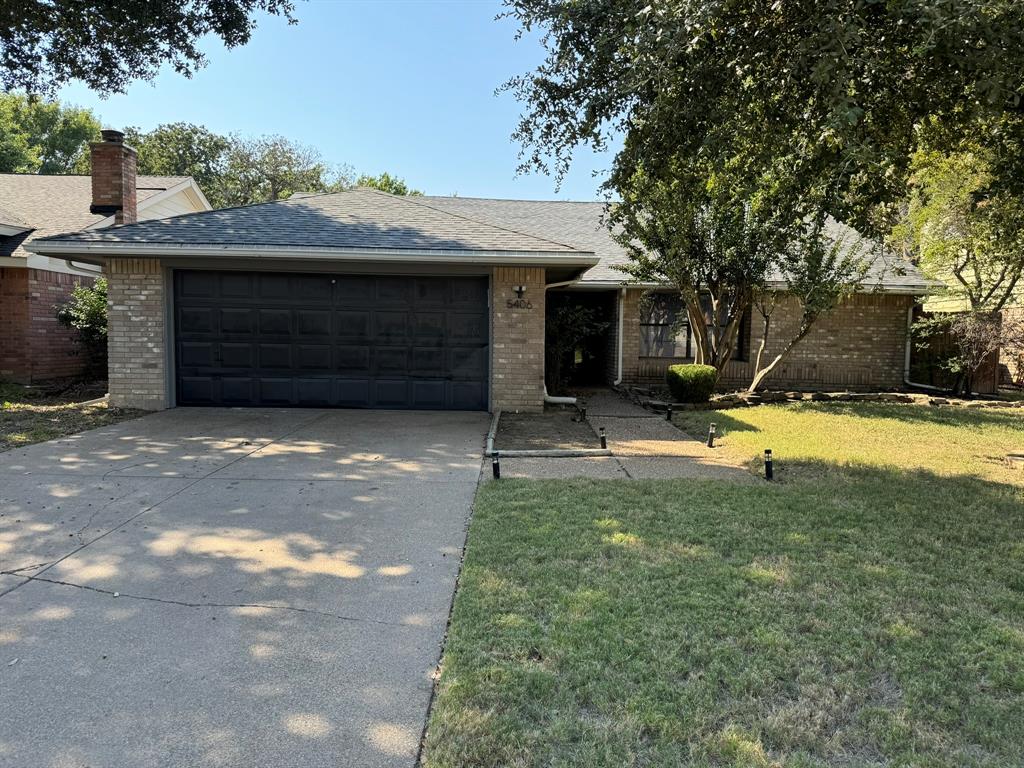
<point x="33" y="346"/>
<point x="364" y="299"/>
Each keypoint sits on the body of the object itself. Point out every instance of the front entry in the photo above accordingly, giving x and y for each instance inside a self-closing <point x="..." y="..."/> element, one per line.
<point x="358" y="341"/>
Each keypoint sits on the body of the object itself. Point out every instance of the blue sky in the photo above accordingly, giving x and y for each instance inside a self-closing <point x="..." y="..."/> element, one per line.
<point x="405" y="86"/>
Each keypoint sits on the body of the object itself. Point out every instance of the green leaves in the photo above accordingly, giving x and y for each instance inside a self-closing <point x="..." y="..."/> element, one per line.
<point x="43" y="136"/>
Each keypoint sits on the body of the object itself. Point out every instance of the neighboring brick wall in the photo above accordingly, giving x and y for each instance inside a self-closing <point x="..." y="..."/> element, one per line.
<point x="517" y="340"/>
<point x="34" y="347"/>
<point x="15" y="360"/>
<point x="860" y="345"/>
<point x="136" y="334"/>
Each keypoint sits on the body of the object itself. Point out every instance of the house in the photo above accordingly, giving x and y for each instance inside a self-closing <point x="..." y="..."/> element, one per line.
<point x="364" y="299"/>
<point x="33" y="346"/>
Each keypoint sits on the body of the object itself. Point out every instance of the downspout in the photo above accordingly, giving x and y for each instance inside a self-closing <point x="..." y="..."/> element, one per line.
<point x="906" y="357"/>
<point x="618" y="338"/>
<point x="552" y="399"/>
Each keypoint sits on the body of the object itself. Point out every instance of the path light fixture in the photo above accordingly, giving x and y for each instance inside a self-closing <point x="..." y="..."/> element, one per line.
<point x="668" y="413"/>
<point x="604" y="439"/>
<point x="496" y="466"/>
<point x="711" y="435"/>
<point x="768" y="471"/>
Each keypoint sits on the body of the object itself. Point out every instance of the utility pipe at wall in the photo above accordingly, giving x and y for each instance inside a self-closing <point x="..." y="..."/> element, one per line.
<point x="618" y="338"/>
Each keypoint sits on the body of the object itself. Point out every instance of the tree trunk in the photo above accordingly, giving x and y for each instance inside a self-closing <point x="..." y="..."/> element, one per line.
<point x="760" y="374"/>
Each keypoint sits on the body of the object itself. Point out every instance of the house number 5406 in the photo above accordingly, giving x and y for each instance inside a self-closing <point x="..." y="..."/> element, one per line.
<point x="519" y="304"/>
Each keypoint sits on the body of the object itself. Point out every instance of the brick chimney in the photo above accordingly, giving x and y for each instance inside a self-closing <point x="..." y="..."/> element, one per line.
<point x="113" y="178"/>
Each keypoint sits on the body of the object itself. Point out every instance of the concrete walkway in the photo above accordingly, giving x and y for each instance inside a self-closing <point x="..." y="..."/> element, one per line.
<point x="643" y="444"/>
<point x="213" y="587"/>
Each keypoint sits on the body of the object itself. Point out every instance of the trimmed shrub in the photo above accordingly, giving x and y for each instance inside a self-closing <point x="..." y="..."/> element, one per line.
<point x="691" y="383"/>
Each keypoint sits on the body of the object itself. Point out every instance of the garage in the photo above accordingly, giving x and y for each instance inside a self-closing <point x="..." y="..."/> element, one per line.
<point x="345" y="340"/>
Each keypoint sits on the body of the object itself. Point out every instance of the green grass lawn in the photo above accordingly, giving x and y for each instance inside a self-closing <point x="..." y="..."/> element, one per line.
<point x="866" y="611"/>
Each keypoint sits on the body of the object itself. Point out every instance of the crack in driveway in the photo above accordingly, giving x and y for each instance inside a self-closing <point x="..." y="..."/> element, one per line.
<point x="185" y="604"/>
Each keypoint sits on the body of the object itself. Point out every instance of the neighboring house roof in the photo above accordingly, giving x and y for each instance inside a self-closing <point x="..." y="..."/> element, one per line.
<point x="336" y="225"/>
<point x="46" y="205"/>
<point x="582" y="223"/>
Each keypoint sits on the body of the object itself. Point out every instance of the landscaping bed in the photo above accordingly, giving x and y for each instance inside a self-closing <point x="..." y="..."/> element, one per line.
<point x="34" y="415"/>
<point x="866" y="611"/>
<point x="555" y="428"/>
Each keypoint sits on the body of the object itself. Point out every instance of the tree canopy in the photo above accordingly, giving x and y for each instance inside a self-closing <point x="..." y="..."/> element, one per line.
<point x="385" y="182"/>
<point x="825" y="96"/>
<point x="39" y="136"/>
<point x="106" y="44"/>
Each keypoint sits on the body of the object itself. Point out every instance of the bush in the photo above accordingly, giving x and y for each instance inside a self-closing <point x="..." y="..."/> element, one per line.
<point x="86" y="313"/>
<point x="691" y="383"/>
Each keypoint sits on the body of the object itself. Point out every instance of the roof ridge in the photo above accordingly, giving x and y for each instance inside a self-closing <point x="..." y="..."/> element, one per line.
<point x="515" y="200"/>
<point x="412" y="199"/>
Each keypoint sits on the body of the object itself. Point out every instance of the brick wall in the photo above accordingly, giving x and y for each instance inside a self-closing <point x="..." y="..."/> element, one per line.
<point x="860" y="345"/>
<point x="136" y="336"/>
<point x="34" y="347"/>
<point x="517" y="340"/>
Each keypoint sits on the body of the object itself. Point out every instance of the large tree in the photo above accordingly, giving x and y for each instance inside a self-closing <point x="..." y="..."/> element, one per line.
<point x="39" y="136"/>
<point x="183" y="149"/>
<point x="385" y="182"/>
<point x="274" y="168"/>
<point x="106" y="44"/>
<point x="828" y="94"/>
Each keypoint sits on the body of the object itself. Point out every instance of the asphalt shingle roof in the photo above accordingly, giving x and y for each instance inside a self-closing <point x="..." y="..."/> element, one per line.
<point x="362" y="219"/>
<point x="52" y="204"/>
<point x="582" y="224"/>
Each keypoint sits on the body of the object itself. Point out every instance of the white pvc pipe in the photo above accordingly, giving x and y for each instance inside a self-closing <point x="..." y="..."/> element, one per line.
<point x="618" y="338"/>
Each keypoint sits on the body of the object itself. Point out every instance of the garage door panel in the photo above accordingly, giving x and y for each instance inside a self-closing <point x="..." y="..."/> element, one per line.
<point x="237" y="391"/>
<point x="199" y="354"/>
<point x="275" y="322"/>
<point x="352" y="392"/>
<point x="197" y="390"/>
<point x="276" y="391"/>
<point x="429" y="395"/>
<point x="313" y="391"/>
<point x="313" y="322"/>
<point x="467" y="395"/>
<point x="350" y="359"/>
<point x="195" y="320"/>
<point x="237" y="355"/>
<point x="391" y="393"/>
<point x="275" y="356"/>
<point x="236" y="285"/>
<point x="391" y="359"/>
<point x="314" y="357"/>
<point x="238" y="321"/>
<point x="467" y="326"/>
<point x="330" y="340"/>
<point x="352" y="325"/>
<point x="428" y="362"/>
<point x="273" y="286"/>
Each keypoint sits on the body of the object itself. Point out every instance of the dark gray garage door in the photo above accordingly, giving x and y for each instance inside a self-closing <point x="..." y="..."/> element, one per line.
<point x="261" y="338"/>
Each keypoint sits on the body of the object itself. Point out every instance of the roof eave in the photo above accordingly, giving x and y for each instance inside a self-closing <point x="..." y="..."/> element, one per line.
<point x="81" y="251"/>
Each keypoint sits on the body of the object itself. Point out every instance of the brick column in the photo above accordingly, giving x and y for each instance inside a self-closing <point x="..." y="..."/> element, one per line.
<point x="517" y="339"/>
<point x="136" y="334"/>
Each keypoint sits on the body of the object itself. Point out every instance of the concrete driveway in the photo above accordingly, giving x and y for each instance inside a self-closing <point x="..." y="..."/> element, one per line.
<point x="230" y="587"/>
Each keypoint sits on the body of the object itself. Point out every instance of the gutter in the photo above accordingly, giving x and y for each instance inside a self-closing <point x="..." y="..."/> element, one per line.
<point x="105" y="250"/>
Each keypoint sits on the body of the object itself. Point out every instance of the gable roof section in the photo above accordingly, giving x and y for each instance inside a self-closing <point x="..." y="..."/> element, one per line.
<point x="47" y="205"/>
<point x="334" y="224"/>
<point x="582" y="223"/>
